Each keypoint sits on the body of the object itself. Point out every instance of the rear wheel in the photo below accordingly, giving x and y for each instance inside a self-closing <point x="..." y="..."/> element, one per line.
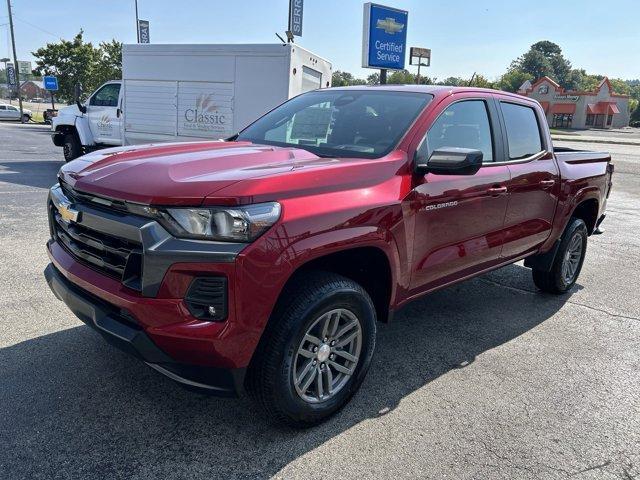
<point x="71" y="147"/>
<point x="568" y="262"/>
<point x="315" y="351"/>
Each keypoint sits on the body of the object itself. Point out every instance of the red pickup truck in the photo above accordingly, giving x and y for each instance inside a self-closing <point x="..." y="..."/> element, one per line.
<point x="262" y="263"/>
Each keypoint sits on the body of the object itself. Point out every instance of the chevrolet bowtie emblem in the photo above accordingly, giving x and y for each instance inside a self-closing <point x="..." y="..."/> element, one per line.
<point x="389" y="25"/>
<point x="67" y="213"/>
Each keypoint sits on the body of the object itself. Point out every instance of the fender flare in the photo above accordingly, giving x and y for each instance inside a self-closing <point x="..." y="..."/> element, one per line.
<point x="326" y="243"/>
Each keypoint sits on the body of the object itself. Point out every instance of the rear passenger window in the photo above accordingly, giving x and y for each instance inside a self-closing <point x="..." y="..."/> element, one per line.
<point x="523" y="132"/>
<point x="463" y="124"/>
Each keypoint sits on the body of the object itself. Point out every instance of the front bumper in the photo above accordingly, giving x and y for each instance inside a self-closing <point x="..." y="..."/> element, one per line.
<point x="120" y="328"/>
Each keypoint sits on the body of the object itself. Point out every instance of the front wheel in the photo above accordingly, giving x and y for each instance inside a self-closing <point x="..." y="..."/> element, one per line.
<point x="26" y="118"/>
<point x="71" y="147"/>
<point x="315" y="351"/>
<point x="568" y="262"/>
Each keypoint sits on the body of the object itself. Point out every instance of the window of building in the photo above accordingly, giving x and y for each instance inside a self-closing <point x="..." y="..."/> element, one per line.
<point x="463" y="124"/>
<point x="523" y="131"/>
<point x="590" y="119"/>
<point x="562" y="120"/>
<point x="609" y="120"/>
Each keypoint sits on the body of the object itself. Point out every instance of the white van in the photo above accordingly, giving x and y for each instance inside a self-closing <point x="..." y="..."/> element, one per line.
<point x="187" y="92"/>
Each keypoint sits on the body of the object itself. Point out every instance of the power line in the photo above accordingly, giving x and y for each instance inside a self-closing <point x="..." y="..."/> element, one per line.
<point x="38" y="28"/>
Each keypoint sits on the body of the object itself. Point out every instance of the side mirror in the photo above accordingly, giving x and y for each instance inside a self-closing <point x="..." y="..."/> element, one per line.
<point x="77" y="91"/>
<point x="450" y="161"/>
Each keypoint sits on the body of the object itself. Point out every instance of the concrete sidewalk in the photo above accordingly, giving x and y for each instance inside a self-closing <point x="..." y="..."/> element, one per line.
<point x="598" y="139"/>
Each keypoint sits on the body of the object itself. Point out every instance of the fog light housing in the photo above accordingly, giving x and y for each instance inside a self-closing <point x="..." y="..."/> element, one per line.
<point x="207" y="299"/>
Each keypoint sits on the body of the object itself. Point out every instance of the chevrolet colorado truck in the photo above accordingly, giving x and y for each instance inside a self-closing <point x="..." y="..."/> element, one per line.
<point x="262" y="263"/>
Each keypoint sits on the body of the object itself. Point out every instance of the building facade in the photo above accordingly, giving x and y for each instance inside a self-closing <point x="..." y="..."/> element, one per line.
<point x="600" y="108"/>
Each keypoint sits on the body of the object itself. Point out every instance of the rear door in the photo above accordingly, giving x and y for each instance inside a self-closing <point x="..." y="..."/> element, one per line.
<point x="104" y="116"/>
<point x="535" y="182"/>
<point x="459" y="218"/>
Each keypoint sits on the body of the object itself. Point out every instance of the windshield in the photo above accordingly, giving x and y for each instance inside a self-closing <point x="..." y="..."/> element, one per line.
<point x="340" y="123"/>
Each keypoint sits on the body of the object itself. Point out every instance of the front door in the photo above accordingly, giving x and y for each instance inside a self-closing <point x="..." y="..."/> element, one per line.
<point x="459" y="218"/>
<point x="104" y="117"/>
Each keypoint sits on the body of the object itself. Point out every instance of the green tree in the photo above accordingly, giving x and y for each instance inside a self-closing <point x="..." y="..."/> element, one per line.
<point x="76" y="61"/>
<point x="545" y="58"/>
<point x="373" y="79"/>
<point x="344" y="79"/>
<point x="400" y="77"/>
<point x="452" y="81"/>
<point x="109" y="64"/>
<point x="512" y="80"/>
<point x="635" y="115"/>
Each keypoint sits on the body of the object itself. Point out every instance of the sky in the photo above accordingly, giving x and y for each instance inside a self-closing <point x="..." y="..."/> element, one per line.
<point x="602" y="37"/>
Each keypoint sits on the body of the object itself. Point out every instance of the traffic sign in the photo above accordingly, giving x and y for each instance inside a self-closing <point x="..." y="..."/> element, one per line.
<point x="11" y="76"/>
<point x="384" y="37"/>
<point x="50" y="83"/>
<point x="24" y="67"/>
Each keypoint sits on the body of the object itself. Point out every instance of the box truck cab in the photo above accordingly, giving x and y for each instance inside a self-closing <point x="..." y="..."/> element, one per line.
<point x="188" y="92"/>
<point x="95" y="124"/>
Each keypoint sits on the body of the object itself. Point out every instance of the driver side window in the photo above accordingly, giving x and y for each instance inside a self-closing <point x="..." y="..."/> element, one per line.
<point x="464" y="125"/>
<point x="107" y="96"/>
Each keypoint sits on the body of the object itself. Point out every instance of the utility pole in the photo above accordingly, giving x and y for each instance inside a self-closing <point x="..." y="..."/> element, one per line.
<point x="137" y="25"/>
<point x="15" y="60"/>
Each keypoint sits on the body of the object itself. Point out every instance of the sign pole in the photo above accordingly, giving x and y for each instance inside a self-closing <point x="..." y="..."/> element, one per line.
<point x="15" y="60"/>
<point x="53" y="105"/>
<point x="137" y="24"/>
<point x="383" y="76"/>
<point x="418" y="75"/>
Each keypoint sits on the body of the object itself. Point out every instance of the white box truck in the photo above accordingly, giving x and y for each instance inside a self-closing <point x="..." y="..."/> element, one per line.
<point x="187" y="92"/>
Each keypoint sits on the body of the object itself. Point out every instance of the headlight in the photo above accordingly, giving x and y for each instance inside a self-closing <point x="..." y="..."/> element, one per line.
<point x="235" y="224"/>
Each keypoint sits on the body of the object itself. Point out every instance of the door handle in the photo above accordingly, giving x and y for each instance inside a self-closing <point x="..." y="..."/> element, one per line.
<point x="547" y="183"/>
<point x="497" y="191"/>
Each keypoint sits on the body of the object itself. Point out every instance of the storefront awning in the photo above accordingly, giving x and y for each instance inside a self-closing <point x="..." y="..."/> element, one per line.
<point x="564" y="108"/>
<point x="602" y="108"/>
<point x="545" y="106"/>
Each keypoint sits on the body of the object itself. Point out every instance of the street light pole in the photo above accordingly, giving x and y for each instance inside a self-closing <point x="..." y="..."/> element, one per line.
<point x="15" y="60"/>
<point x="137" y="27"/>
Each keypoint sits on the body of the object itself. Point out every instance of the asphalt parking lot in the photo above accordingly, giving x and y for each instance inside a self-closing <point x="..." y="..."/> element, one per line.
<point x="487" y="379"/>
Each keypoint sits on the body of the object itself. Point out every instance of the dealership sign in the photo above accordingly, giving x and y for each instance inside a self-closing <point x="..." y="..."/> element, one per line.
<point x="11" y="75"/>
<point x="50" y="83"/>
<point x="384" y="37"/>
<point x="296" y="8"/>
<point x="143" y="31"/>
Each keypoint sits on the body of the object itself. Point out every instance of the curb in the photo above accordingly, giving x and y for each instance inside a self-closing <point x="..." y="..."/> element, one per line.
<point x="566" y="138"/>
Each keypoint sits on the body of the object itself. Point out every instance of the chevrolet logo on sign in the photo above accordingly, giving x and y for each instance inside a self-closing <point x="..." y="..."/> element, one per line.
<point x="67" y="213"/>
<point x="389" y="25"/>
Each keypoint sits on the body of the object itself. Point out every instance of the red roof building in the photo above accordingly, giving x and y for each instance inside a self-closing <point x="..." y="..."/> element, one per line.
<point x="600" y="108"/>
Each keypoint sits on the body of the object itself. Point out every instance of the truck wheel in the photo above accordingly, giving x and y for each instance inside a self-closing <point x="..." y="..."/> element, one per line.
<point x="568" y="262"/>
<point x="71" y="147"/>
<point x="316" y="349"/>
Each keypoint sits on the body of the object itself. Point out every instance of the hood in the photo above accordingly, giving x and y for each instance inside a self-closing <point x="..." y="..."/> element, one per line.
<point x="209" y="172"/>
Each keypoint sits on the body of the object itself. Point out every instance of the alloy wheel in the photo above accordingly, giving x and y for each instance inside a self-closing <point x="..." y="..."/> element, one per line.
<point x="572" y="257"/>
<point x="327" y="356"/>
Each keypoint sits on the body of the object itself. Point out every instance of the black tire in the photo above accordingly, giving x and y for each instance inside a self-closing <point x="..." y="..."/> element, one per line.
<point x="26" y="118"/>
<point x="554" y="281"/>
<point x="270" y="377"/>
<point x="71" y="147"/>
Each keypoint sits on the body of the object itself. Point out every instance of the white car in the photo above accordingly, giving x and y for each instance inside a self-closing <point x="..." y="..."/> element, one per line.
<point x="11" y="112"/>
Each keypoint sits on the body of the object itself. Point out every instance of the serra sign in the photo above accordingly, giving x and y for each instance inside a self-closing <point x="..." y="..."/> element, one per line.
<point x="384" y="37"/>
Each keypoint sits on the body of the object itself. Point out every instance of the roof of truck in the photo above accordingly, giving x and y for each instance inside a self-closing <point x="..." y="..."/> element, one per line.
<point x="432" y="89"/>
